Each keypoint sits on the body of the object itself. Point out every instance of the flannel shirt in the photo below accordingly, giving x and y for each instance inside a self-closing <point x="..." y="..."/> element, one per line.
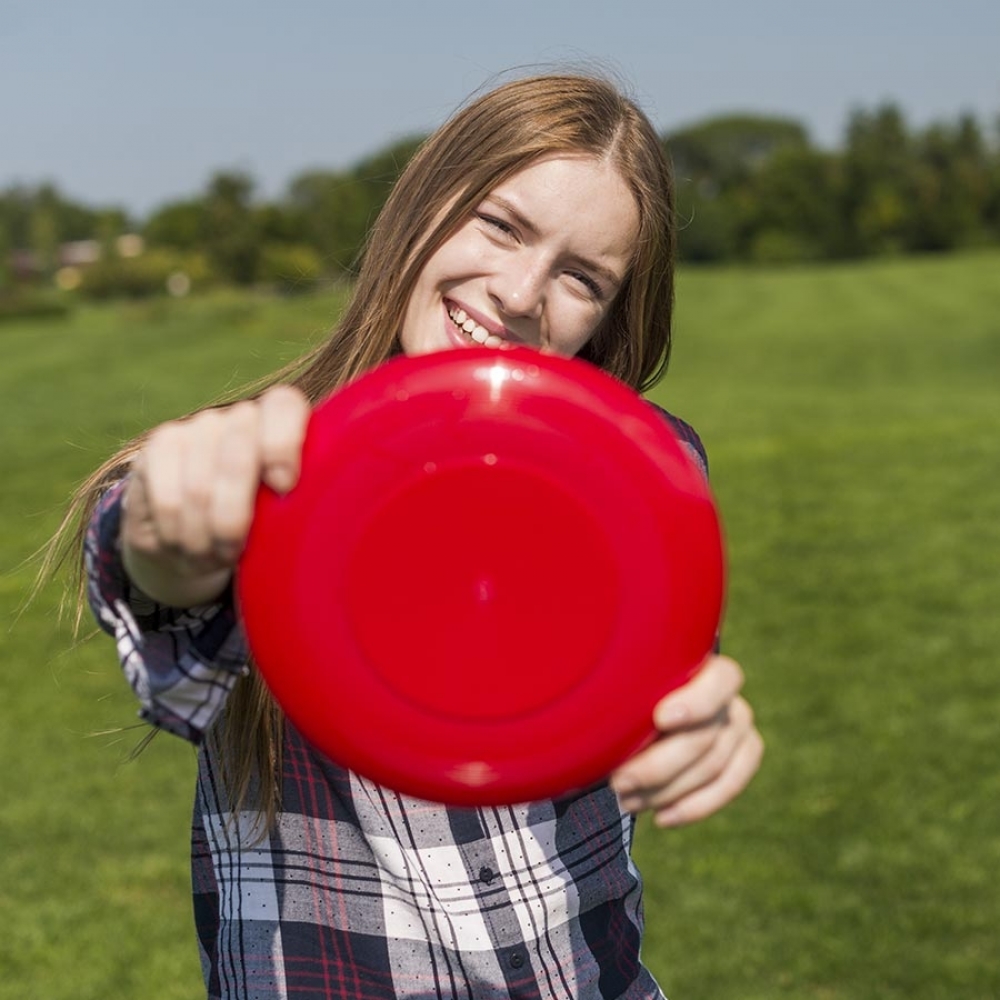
<point x="360" y="893"/>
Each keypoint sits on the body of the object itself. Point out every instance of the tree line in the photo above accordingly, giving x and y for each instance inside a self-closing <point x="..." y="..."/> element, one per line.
<point x="749" y="189"/>
<point x="756" y="189"/>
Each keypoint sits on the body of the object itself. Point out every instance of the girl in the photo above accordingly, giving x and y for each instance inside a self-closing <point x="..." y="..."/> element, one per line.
<point x="540" y="214"/>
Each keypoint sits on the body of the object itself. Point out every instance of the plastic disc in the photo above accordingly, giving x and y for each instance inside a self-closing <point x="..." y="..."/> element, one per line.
<point x="493" y="566"/>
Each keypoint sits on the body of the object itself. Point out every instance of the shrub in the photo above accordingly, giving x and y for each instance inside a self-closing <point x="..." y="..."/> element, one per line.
<point x="32" y="304"/>
<point x="707" y="229"/>
<point x="291" y="268"/>
<point x="143" y="276"/>
<point x="775" y="246"/>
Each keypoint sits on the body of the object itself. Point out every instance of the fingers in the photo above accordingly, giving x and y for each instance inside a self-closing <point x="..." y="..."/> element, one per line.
<point x="180" y="473"/>
<point x="710" y="798"/>
<point x="284" y="416"/>
<point x="716" y="684"/>
<point x="708" y="751"/>
<point x="154" y="494"/>
<point x="706" y="761"/>
<point x="196" y="452"/>
<point x="237" y="473"/>
<point x="190" y="500"/>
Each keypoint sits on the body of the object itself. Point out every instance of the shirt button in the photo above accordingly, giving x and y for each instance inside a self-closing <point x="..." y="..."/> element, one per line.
<point x="516" y="960"/>
<point x="486" y="875"/>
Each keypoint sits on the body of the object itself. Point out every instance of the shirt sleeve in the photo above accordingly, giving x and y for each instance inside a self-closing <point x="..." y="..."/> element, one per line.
<point x="181" y="663"/>
<point x="688" y="437"/>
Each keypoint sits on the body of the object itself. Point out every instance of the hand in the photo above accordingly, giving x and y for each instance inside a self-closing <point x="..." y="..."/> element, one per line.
<point x="707" y="752"/>
<point x="189" y="502"/>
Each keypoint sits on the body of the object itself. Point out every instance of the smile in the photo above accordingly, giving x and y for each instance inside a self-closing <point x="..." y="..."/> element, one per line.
<point x="472" y="329"/>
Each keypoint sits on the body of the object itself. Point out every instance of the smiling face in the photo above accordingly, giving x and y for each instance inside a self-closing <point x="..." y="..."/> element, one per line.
<point x="538" y="262"/>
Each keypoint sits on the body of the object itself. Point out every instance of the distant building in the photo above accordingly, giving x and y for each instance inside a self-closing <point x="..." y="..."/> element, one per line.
<point x="79" y="253"/>
<point x="26" y="265"/>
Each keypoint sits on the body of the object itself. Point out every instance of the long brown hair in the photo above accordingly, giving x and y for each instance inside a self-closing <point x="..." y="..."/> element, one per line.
<point x="488" y="140"/>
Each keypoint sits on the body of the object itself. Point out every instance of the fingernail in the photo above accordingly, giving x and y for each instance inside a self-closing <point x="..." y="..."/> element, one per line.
<point x="668" y="818"/>
<point x="675" y="714"/>
<point x="279" y="478"/>
<point x="627" y="791"/>
<point x="624" y="785"/>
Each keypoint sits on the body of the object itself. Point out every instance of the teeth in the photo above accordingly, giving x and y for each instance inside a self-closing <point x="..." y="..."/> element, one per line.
<point x="478" y="333"/>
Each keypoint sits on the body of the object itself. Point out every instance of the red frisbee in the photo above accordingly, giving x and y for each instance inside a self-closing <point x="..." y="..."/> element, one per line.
<point x="494" y="564"/>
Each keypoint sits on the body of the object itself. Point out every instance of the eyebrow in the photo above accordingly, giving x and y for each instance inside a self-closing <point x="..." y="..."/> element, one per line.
<point x="587" y="263"/>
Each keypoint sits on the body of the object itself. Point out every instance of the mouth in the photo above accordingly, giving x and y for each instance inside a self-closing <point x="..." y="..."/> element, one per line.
<point x="472" y="330"/>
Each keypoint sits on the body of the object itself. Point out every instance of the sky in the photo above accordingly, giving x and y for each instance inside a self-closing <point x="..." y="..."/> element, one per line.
<point x="135" y="103"/>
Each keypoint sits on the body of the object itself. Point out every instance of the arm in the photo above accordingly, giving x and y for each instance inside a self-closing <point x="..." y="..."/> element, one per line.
<point x="162" y="546"/>
<point x="181" y="664"/>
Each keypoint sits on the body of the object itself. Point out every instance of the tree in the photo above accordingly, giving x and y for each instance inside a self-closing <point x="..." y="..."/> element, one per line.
<point x="231" y="236"/>
<point x="715" y="162"/>
<point x="727" y="150"/>
<point x="707" y="223"/>
<point x="952" y="187"/>
<point x="877" y="194"/>
<point x="15" y="212"/>
<point x="792" y="208"/>
<point x="180" y="225"/>
<point x="43" y="228"/>
<point x="5" y="250"/>
<point x="991" y="209"/>
<point x="333" y="210"/>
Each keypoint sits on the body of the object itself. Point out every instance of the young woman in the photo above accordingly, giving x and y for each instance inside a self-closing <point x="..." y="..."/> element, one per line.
<point x="541" y="214"/>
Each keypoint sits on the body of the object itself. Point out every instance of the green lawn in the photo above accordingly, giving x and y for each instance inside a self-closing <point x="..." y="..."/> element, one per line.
<point x="852" y="417"/>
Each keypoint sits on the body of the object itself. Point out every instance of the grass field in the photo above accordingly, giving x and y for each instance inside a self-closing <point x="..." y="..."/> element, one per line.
<point x="852" y="415"/>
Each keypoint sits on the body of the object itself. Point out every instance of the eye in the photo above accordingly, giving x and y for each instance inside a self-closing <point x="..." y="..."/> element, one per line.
<point x="499" y="225"/>
<point x="588" y="282"/>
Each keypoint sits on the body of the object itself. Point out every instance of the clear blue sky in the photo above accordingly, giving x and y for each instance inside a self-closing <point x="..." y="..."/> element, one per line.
<point x="136" y="103"/>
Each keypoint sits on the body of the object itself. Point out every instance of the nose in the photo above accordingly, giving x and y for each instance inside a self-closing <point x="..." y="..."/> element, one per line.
<point x="517" y="287"/>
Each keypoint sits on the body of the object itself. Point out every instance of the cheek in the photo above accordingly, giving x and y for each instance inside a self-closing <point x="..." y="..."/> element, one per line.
<point x="420" y="311"/>
<point x="453" y="256"/>
<point x="415" y="328"/>
<point x="577" y="330"/>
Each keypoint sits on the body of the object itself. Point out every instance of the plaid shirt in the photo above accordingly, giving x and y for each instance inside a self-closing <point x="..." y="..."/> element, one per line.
<point x="359" y="892"/>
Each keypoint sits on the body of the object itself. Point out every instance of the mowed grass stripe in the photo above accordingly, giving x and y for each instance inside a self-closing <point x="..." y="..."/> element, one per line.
<point x="855" y="462"/>
<point x="851" y="415"/>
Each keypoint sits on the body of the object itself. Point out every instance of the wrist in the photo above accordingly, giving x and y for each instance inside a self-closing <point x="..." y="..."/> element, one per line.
<point x="172" y="583"/>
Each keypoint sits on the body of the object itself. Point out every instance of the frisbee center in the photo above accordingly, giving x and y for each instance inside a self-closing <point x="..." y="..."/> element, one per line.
<point x="482" y="592"/>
